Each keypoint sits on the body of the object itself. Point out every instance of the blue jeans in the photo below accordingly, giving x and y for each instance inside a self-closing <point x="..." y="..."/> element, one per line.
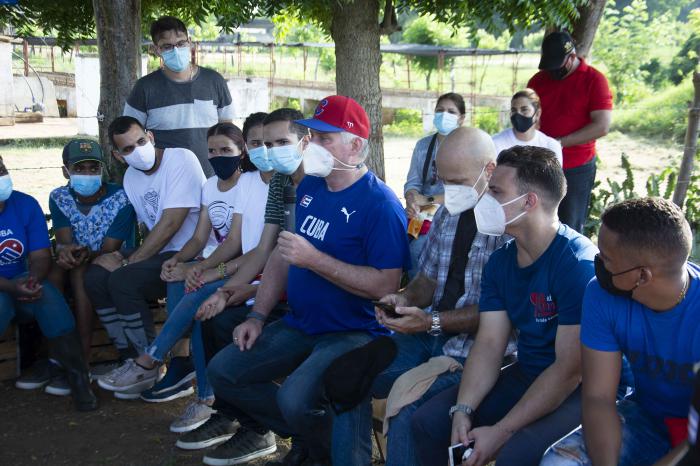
<point x="50" y="311"/>
<point x="432" y="425"/>
<point x="245" y="381"/>
<point x="352" y="442"/>
<point x="643" y="441"/>
<point x="181" y="310"/>
<point x="573" y="209"/>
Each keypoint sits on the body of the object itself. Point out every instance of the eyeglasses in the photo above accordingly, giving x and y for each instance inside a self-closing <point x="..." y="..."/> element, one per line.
<point x="169" y="47"/>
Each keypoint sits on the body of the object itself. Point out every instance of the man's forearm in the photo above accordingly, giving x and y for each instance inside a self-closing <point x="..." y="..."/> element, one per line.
<point x="419" y="291"/>
<point x="480" y="373"/>
<point x="156" y="240"/>
<point x="547" y="393"/>
<point x="273" y="284"/>
<point x="39" y="267"/>
<point x="590" y="132"/>
<point x="601" y="431"/>
<point x="460" y="320"/>
<point x="190" y="249"/>
<point x="360" y="280"/>
<point x="6" y="285"/>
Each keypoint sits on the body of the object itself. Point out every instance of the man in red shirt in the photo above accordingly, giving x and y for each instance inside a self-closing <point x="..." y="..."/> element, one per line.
<point x="576" y="110"/>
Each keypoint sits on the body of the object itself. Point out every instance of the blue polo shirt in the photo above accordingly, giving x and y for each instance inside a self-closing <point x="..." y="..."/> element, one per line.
<point x="362" y="225"/>
<point x="660" y="346"/>
<point x="22" y="230"/>
<point x="542" y="296"/>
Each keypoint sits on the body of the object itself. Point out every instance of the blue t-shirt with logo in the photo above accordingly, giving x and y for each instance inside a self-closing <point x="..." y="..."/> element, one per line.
<point x="362" y="225"/>
<point x="540" y="297"/>
<point x="22" y="230"/>
<point x="660" y="346"/>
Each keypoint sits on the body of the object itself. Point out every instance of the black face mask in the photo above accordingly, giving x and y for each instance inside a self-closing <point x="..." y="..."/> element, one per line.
<point x="521" y="123"/>
<point x="225" y="167"/>
<point x="605" y="279"/>
<point x="559" y="73"/>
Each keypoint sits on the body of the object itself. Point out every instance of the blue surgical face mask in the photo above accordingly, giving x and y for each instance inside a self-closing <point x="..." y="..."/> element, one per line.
<point x="445" y="122"/>
<point x="285" y="159"/>
<point x="177" y="59"/>
<point x="86" y="185"/>
<point x="5" y="187"/>
<point x="259" y="158"/>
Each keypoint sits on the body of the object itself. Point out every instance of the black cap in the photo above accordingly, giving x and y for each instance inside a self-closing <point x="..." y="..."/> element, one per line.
<point x="555" y="47"/>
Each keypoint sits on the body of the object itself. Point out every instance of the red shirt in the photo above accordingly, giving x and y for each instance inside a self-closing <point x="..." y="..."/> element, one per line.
<point x="567" y="105"/>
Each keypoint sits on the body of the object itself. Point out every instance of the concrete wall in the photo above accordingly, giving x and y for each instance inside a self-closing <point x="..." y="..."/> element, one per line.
<point x="28" y="88"/>
<point x="68" y="94"/>
<point x="7" y="99"/>
<point x="249" y="95"/>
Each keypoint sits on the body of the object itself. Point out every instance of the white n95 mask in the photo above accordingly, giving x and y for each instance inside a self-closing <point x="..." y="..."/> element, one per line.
<point x="460" y="198"/>
<point x="491" y="217"/>
<point x="142" y="157"/>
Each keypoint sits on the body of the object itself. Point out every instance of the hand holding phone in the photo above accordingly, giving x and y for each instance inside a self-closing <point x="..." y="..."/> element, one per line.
<point x="388" y="309"/>
<point x="459" y="453"/>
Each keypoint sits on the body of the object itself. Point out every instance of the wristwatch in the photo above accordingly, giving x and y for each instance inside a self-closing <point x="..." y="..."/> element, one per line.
<point x="466" y="409"/>
<point x="435" y="327"/>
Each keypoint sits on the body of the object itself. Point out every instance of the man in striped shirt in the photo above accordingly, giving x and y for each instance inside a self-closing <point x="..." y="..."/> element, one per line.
<point x="179" y="101"/>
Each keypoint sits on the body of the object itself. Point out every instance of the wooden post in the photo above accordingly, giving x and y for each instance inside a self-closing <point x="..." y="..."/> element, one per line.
<point x="53" y="64"/>
<point x="408" y="70"/>
<point x="306" y="56"/>
<point x="690" y="147"/>
<point x="441" y="66"/>
<point x="25" y="55"/>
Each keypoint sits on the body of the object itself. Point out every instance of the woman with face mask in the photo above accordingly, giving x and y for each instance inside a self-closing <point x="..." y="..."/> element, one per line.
<point x="230" y="224"/>
<point x="423" y="186"/>
<point x="525" y="115"/>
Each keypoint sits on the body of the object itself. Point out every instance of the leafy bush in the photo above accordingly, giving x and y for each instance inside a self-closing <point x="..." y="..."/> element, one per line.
<point x="407" y="122"/>
<point x="663" y="116"/>
<point x="685" y="62"/>
<point x="487" y="119"/>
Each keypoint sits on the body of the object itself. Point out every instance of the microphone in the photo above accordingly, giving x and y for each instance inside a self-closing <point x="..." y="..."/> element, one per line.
<point x="290" y="201"/>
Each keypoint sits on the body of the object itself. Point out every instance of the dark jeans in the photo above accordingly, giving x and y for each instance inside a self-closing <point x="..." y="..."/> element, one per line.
<point x="431" y="422"/>
<point x="245" y="380"/>
<point x="573" y="209"/>
<point x="121" y="300"/>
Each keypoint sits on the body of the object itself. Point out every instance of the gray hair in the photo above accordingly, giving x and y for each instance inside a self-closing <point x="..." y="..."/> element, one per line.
<point x="347" y="138"/>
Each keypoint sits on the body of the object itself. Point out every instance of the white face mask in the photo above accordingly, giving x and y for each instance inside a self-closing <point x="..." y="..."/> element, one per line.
<point x="445" y="122"/>
<point x="491" y="217"/>
<point x="460" y="198"/>
<point x="318" y="161"/>
<point x="143" y="157"/>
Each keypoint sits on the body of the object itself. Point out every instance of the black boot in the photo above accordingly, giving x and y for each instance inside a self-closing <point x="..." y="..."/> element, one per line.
<point x="68" y="352"/>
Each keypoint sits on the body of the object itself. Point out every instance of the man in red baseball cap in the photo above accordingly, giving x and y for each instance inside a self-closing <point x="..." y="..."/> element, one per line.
<point x="350" y="247"/>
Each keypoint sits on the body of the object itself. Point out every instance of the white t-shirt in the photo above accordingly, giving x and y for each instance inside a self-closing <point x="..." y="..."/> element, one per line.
<point x="506" y="139"/>
<point x="220" y="206"/>
<point x="176" y="184"/>
<point x="251" y="205"/>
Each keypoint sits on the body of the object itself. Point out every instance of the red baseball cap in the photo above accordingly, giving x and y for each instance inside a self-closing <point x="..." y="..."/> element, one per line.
<point x="338" y="113"/>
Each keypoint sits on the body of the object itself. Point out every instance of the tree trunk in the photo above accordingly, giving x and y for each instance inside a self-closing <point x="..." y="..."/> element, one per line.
<point x="119" y="44"/>
<point x="355" y="31"/>
<point x="685" y="173"/>
<point x="585" y="27"/>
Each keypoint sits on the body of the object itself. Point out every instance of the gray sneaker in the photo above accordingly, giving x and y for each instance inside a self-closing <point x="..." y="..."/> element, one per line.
<point x="243" y="447"/>
<point x="129" y="376"/>
<point x="215" y="430"/>
<point x="196" y="413"/>
<point x="37" y="376"/>
<point x="58" y="386"/>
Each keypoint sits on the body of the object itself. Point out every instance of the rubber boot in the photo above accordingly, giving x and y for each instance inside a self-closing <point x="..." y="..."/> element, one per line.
<point x="68" y="352"/>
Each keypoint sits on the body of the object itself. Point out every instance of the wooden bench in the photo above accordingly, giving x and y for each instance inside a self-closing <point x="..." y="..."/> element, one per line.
<point x="102" y="348"/>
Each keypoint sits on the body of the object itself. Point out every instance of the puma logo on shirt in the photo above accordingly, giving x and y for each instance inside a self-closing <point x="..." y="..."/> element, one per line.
<point x="347" y="215"/>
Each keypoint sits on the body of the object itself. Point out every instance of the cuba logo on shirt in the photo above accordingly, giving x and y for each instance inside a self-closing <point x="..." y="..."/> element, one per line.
<point x="545" y="308"/>
<point x="10" y="250"/>
<point x="314" y="227"/>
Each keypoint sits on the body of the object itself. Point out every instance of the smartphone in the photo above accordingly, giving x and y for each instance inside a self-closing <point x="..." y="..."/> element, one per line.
<point x="389" y="309"/>
<point x="459" y="453"/>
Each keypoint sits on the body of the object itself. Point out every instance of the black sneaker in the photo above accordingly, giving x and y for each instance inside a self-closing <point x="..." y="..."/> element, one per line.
<point x="216" y="430"/>
<point x="296" y="456"/>
<point x="245" y="446"/>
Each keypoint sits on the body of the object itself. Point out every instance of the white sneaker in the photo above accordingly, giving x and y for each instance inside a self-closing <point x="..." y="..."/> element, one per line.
<point x="196" y="413"/>
<point x="130" y="376"/>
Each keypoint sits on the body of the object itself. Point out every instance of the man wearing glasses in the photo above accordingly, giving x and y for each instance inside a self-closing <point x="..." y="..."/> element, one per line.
<point x="179" y="101"/>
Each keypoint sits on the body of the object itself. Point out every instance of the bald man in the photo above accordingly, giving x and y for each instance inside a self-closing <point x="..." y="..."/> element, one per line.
<point x="438" y="305"/>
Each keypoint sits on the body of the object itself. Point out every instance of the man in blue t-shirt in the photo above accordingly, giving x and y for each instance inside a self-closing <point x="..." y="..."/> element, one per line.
<point x="350" y="247"/>
<point x="644" y="304"/>
<point x="25" y="261"/>
<point x="90" y="217"/>
<point x="533" y="285"/>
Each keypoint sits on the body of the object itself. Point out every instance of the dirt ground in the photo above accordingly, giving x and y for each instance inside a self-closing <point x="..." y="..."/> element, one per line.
<point x="40" y="429"/>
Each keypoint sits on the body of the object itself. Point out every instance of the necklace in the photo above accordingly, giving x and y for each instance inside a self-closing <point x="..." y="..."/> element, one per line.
<point x="686" y="285"/>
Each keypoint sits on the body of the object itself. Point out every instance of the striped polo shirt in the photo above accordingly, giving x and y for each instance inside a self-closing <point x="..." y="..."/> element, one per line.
<point x="180" y="113"/>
